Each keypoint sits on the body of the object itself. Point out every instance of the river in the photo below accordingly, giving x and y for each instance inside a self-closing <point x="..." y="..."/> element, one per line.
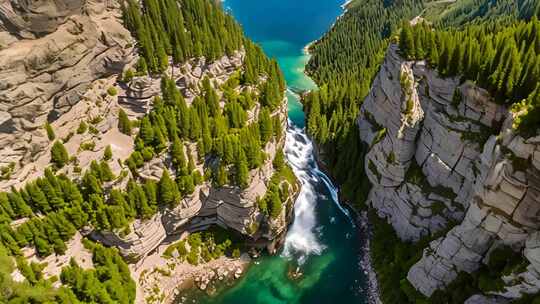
<point x="323" y="243"/>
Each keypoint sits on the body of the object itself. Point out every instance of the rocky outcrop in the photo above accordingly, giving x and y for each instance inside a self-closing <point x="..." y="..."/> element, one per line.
<point x="442" y="151"/>
<point x="59" y="63"/>
<point x="228" y="206"/>
<point x="504" y="209"/>
<point x="480" y="299"/>
<point x="31" y="19"/>
<point x="50" y="54"/>
<point x="138" y="93"/>
<point x="425" y="134"/>
<point x="143" y="237"/>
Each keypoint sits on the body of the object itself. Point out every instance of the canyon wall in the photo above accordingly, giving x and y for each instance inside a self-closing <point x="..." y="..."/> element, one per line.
<point x="443" y="159"/>
<point x="50" y="55"/>
<point x="59" y="61"/>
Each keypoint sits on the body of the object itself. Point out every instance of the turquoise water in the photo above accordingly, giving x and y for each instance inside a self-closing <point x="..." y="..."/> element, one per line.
<point x="322" y="244"/>
<point x="283" y="28"/>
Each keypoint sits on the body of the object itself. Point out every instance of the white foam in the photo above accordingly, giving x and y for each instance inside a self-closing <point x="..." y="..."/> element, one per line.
<point x="334" y="193"/>
<point x="301" y="240"/>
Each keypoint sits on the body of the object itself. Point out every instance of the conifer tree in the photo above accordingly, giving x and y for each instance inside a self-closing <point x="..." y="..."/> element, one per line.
<point x="222" y="177"/>
<point x="266" y="125"/>
<point x="242" y="170"/>
<point x="146" y="131"/>
<point x="314" y="116"/>
<point x="59" y="154"/>
<point x="275" y="204"/>
<point x="19" y="205"/>
<point x="107" y="155"/>
<point x="168" y="190"/>
<point x="178" y="156"/>
<point x="406" y="41"/>
<point x="124" y="124"/>
<point x="50" y="131"/>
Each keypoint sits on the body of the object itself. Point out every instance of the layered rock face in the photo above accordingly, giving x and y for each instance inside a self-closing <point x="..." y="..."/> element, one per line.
<point x="504" y="210"/>
<point x="228" y="206"/>
<point x="50" y="54"/>
<point x="143" y="238"/>
<point x="443" y="153"/>
<point x="30" y="19"/>
<point x="58" y="60"/>
<point x="425" y="135"/>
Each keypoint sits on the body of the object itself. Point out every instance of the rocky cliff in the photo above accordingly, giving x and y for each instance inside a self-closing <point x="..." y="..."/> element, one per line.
<point x="50" y="55"/>
<point x="443" y="157"/>
<point x="228" y="206"/>
<point x="60" y="62"/>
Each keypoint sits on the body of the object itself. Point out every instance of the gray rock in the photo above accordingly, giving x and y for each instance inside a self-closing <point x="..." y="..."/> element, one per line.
<point x="144" y="237"/>
<point x="58" y="49"/>
<point x="481" y="299"/>
<point x="464" y="172"/>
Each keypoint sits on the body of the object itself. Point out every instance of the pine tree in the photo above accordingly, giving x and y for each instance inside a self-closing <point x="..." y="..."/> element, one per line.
<point x="124" y="124"/>
<point x="195" y="127"/>
<point x="406" y="41"/>
<point x="221" y="177"/>
<point x="242" y="170"/>
<point x="455" y="61"/>
<point x="314" y="116"/>
<point x="266" y="125"/>
<point x="151" y="191"/>
<point x="50" y="131"/>
<point x="39" y="200"/>
<point x="275" y="204"/>
<point x="168" y="190"/>
<point x="106" y="173"/>
<point x="59" y="154"/>
<point x="279" y="160"/>
<point x="211" y="97"/>
<point x="107" y="155"/>
<point x="178" y="156"/>
<point x="146" y="131"/>
<point x="433" y="53"/>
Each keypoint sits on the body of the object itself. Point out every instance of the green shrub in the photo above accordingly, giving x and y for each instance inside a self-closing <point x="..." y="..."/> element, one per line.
<point x="87" y="146"/>
<point x="50" y="131"/>
<point x="112" y="91"/>
<point x="82" y="128"/>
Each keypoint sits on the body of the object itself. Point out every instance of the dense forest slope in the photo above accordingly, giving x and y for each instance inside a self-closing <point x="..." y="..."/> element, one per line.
<point x="134" y="124"/>
<point x="447" y="138"/>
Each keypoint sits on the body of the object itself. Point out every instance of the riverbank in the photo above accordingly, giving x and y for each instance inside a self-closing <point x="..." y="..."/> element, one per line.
<point x="160" y="279"/>
<point x="366" y="263"/>
<point x="323" y="243"/>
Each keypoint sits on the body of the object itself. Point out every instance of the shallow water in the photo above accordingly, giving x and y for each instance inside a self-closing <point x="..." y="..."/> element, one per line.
<point x="323" y="244"/>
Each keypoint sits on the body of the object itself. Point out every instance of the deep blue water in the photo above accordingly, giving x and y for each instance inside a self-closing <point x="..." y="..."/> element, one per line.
<point x="283" y="28"/>
<point x="322" y="243"/>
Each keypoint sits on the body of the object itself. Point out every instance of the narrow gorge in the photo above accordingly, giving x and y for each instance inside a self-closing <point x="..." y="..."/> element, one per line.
<point x="283" y="151"/>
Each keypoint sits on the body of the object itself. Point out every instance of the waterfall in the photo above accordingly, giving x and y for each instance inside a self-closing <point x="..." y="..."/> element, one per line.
<point x="301" y="240"/>
<point x="334" y="193"/>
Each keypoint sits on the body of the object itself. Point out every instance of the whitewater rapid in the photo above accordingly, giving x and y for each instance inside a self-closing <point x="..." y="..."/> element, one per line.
<point x="301" y="240"/>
